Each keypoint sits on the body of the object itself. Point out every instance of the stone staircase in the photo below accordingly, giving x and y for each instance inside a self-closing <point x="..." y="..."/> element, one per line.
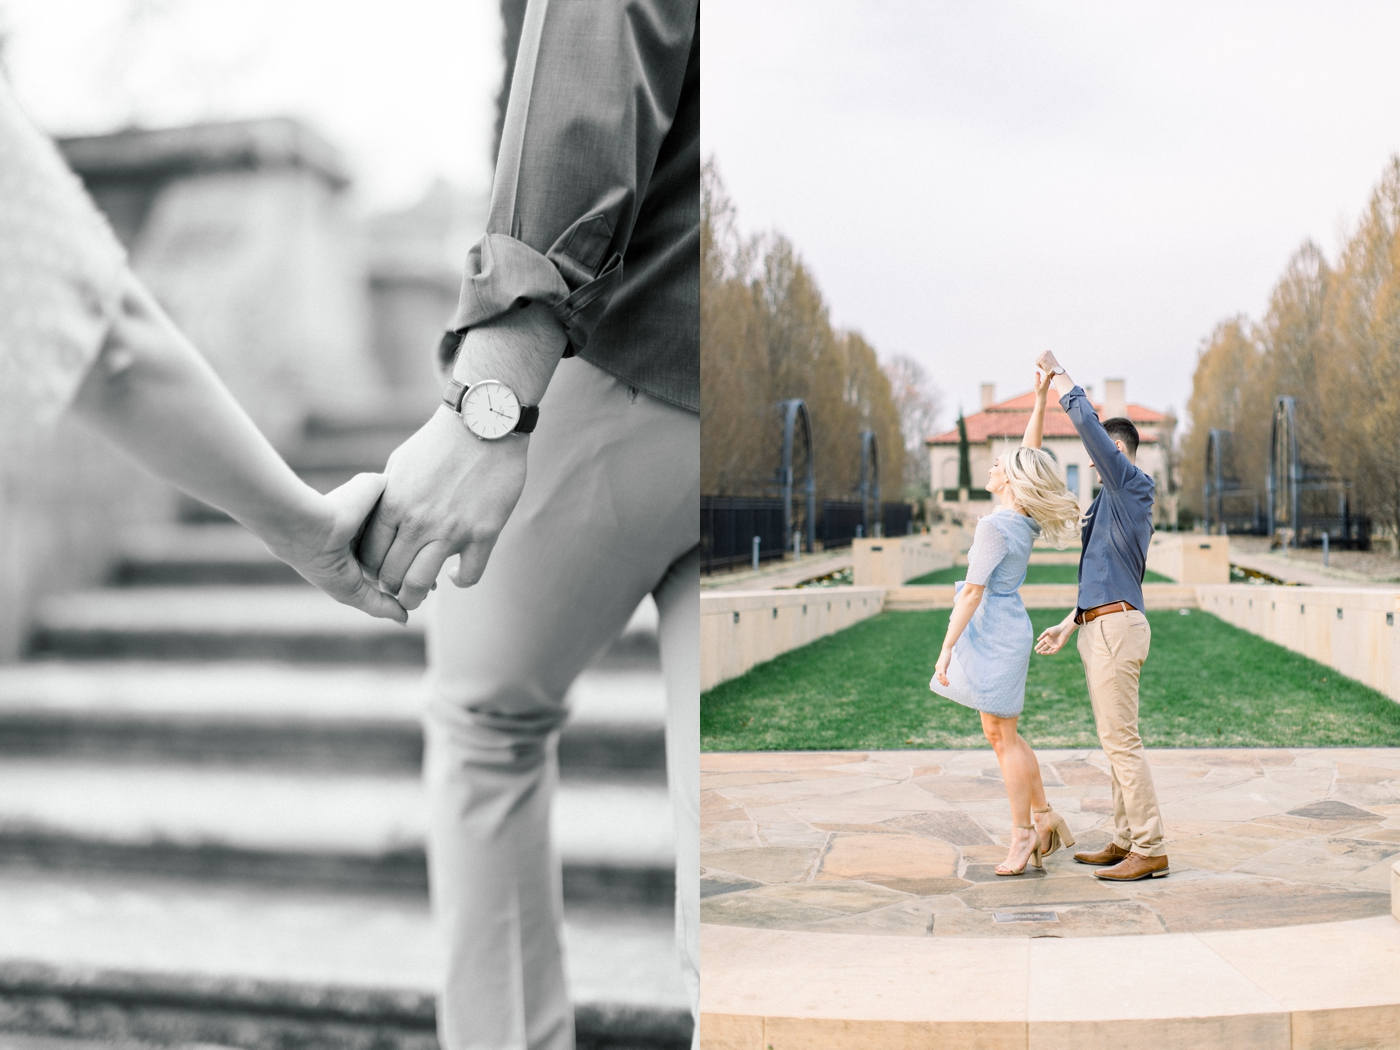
<point x="211" y="823"/>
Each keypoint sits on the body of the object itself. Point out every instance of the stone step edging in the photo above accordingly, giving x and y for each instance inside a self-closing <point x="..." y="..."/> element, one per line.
<point x="1316" y="987"/>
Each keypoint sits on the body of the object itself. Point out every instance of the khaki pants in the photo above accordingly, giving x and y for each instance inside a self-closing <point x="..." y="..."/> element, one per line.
<point x="1113" y="648"/>
<point x="609" y="514"/>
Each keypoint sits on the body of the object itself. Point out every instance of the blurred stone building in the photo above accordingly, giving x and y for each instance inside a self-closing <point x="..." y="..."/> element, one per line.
<point x="244" y="232"/>
<point x="1001" y="425"/>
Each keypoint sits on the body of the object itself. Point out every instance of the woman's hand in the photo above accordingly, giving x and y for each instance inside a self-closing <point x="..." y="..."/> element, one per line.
<point x="1035" y="426"/>
<point x="940" y="670"/>
<point x="323" y="552"/>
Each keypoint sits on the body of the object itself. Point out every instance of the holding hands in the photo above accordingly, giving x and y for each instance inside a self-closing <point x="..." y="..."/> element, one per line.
<point x="446" y="492"/>
<point x="322" y="549"/>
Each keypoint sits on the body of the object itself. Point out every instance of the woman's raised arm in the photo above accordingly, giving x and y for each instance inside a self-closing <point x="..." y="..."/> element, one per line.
<point x="1037" y="421"/>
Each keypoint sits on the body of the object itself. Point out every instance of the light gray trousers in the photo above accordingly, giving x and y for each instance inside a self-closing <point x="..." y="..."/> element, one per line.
<point x="610" y="513"/>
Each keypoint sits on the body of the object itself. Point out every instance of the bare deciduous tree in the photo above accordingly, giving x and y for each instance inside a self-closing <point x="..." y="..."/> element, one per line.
<point x="765" y="336"/>
<point x="919" y="404"/>
<point x="1330" y="339"/>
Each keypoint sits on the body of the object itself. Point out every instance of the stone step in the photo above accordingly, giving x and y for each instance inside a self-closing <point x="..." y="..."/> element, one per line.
<point x="295" y="716"/>
<point x="120" y="960"/>
<point x="199" y="555"/>
<point x="256" y="623"/>
<point x="333" y="829"/>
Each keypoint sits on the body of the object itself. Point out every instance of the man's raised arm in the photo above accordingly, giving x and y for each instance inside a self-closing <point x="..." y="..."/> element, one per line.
<point x="593" y="96"/>
<point x="1113" y="466"/>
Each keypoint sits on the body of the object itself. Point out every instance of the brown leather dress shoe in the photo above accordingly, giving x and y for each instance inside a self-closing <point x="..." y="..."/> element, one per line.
<point x="1135" y="866"/>
<point x="1110" y="854"/>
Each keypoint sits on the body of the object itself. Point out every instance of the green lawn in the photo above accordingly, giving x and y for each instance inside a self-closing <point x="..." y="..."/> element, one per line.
<point x="1034" y="574"/>
<point x="1205" y="684"/>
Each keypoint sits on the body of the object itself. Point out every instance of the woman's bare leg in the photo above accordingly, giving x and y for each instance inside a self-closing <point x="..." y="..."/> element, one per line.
<point x="1020" y="771"/>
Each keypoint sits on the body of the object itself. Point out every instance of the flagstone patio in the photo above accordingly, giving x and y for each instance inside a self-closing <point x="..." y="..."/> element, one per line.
<point x="904" y="843"/>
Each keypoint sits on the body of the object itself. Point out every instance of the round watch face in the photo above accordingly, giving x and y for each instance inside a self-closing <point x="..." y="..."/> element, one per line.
<point x="490" y="409"/>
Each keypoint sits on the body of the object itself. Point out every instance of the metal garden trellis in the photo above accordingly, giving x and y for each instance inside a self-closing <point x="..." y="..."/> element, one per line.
<point x="793" y="410"/>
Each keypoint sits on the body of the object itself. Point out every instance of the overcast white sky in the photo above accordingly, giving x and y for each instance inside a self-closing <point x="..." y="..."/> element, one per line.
<point x="406" y="88"/>
<point x="973" y="182"/>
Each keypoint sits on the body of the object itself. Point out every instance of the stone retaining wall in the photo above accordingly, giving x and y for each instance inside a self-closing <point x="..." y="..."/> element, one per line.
<point x="1348" y="628"/>
<point x="890" y="561"/>
<point x="1037" y="596"/>
<point x="1190" y="557"/>
<point x="1352" y="630"/>
<point x="739" y="629"/>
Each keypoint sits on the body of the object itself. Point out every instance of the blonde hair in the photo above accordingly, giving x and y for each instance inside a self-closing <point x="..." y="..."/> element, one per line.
<point x="1038" y="489"/>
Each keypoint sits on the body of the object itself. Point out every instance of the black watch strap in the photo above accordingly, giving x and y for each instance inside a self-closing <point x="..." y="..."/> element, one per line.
<point x="455" y="392"/>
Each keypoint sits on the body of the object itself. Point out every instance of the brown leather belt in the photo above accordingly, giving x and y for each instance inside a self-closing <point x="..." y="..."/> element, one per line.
<point x="1086" y="615"/>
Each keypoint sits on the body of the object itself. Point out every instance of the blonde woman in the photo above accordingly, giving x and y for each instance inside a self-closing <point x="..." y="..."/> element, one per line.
<point x="988" y="646"/>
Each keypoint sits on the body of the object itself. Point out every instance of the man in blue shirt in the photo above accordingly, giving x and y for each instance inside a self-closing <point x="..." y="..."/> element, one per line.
<point x="1115" y="637"/>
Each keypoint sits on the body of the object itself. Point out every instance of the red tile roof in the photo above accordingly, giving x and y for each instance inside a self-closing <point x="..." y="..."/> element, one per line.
<point x="1008" y="419"/>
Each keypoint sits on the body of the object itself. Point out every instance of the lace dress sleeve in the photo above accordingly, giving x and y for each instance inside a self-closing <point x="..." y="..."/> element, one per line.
<point x="988" y="549"/>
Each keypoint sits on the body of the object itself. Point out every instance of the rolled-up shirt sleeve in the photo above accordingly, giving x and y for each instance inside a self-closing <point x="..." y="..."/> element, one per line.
<point x="61" y="276"/>
<point x="595" y="91"/>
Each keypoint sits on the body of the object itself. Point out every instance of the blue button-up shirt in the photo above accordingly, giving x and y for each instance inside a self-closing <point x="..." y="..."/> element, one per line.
<point x="1118" y="526"/>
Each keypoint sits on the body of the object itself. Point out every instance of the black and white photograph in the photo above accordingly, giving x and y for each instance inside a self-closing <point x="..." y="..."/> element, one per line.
<point x="349" y="516"/>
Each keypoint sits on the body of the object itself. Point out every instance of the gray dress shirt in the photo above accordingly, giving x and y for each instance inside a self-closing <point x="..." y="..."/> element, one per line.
<point x="595" y="208"/>
<point x="1118" y="526"/>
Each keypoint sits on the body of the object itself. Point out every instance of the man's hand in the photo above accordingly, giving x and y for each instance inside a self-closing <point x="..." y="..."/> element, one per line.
<point x="448" y="492"/>
<point x="326" y="556"/>
<point x="1053" y="639"/>
<point x="1047" y="363"/>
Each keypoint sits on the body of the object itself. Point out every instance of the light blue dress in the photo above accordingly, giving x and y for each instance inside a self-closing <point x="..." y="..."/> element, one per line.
<point x="989" y="662"/>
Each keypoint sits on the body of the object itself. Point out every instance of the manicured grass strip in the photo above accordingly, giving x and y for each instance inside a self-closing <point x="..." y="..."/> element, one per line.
<point x="1205" y="684"/>
<point x="1034" y="574"/>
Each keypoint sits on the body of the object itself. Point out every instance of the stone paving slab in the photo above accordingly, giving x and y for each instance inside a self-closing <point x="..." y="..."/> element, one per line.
<point x="904" y="843"/>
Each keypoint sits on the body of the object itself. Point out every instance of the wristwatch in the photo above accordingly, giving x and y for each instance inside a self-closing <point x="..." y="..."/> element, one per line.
<point x="490" y="409"/>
